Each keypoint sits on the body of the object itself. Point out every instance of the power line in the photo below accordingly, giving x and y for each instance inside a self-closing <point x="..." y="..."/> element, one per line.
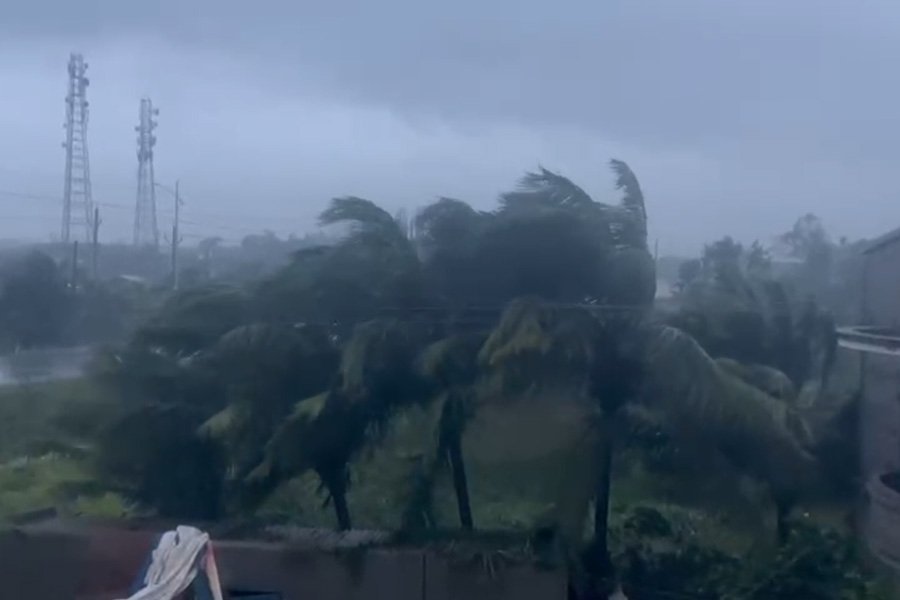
<point x="28" y="196"/>
<point x="17" y="194"/>
<point x="160" y="210"/>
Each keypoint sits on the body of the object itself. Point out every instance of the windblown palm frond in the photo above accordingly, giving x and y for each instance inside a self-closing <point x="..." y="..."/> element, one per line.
<point x="264" y="368"/>
<point x="544" y="190"/>
<point x="627" y="181"/>
<point x="628" y="222"/>
<point x="760" y="432"/>
<point x="154" y="454"/>
<point x="313" y="434"/>
<point x="448" y="225"/>
<point x="363" y="215"/>
<point x="309" y="435"/>
<point x="322" y="434"/>
<point x="378" y="363"/>
<point x="534" y="341"/>
<point x="195" y="318"/>
<point x="301" y="354"/>
<point x="768" y="379"/>
<point x="222" y="424"/>
<point x="453" y="360"/>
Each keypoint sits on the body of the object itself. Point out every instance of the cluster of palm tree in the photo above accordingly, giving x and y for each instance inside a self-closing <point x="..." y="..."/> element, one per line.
<point x="550" y="294"/>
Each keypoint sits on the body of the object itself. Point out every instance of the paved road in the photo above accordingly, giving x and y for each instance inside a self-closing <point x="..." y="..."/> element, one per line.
<point x="47" y="364"/>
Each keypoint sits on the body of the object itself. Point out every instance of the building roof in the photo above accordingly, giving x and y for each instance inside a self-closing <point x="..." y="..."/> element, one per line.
<point x="877" y="340"/>
<point x="883" y="241"/>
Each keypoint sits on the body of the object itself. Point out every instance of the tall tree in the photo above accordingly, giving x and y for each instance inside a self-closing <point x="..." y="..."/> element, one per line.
<point x="325" y="432"/>
<point x="35" y="304"/>
<point x="451" y="368"/>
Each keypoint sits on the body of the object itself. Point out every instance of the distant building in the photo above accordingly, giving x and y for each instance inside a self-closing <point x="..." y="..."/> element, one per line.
<point x="875" y="342"/>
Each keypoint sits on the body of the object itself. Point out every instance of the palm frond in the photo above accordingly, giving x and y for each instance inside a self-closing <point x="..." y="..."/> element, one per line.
<point x="762" y="433"/>
<point x="194" y="318"/>
<point x="447" y="225"/>
<point x="301" y="440"/>
<point x="309" y="409"/>
<point x="545" y="189"/>
<point x="536" y="346"/>
<point x="529" y="327"/>
<point x="379" y="362"/>
<point x="628" y="182"/>
<point x="768" y="379"/>
<point x="453" y="360"/>
<point x="221" y="424"/>
<point x="521" y="330"/>
<point x="358" y="211"/>
<point x="628" y="223"/>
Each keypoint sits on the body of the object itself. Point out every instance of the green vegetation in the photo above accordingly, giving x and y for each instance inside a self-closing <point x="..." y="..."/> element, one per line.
<point x="484" y="370"/>
<point x="45" y="449"/>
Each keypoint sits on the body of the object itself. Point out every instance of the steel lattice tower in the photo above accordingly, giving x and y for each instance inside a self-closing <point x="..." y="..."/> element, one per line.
<point x="78" y="209"/>
<point x="145" y="229"/>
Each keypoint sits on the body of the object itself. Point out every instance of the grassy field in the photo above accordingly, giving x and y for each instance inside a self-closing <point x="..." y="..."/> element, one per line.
<point x="37" y="413"/>
<point x="40" y="465"/>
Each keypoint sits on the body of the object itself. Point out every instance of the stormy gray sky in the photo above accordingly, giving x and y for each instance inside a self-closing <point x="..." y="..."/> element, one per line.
<point x="736" y="115"/>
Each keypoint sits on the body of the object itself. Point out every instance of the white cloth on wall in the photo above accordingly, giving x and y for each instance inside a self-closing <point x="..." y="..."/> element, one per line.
<point x="174" y="564"/>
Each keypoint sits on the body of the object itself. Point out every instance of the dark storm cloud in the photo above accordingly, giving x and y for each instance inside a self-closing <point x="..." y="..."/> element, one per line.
<point x="780" y="106"/>
<point x="686" y="72"/>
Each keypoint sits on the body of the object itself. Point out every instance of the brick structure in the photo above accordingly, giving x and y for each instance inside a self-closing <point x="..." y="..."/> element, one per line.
<point x="59" y="560"/>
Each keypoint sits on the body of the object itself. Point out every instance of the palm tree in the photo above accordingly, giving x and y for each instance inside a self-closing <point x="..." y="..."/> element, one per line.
<point x="739" y="311"/>
<point x="373" y="267"/>
<point x="325" y="432"/>
<point x="614" y="356"/>
<point x="264" y="369"/>
<point x="193" y="319"/>
<point x="451" y="367"/>
<point x="613" y="364"/>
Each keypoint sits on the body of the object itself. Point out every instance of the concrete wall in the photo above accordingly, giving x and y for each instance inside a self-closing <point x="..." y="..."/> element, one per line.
<point x="880" y="409"/>
<point x="880" y="414"/>
<point x="67" y="561"/>
<point x="881" y="523"/>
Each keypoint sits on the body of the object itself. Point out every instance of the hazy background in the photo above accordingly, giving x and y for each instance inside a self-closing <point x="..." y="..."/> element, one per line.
<point x="737" y="116"/>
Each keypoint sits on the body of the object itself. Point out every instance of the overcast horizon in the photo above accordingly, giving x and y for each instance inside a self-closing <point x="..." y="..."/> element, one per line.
<point x="736" y="117"/>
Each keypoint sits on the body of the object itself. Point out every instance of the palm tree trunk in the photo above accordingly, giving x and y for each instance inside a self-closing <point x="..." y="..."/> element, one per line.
<point x="599" y="553"/>
<point x="460" y="482"/>
<point x="783" y="508"/>
<point x="336" y="483"/>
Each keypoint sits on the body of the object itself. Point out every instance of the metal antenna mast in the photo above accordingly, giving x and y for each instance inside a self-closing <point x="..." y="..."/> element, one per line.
<point x="78" y="208"/>
<point x="146" y="232"/>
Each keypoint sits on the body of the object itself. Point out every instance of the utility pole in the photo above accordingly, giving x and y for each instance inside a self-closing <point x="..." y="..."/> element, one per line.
<point x="74" y="278"/>
<point x="175" y="239"/>
<point x="77" y="201"/>
<point x="95" y="245"/>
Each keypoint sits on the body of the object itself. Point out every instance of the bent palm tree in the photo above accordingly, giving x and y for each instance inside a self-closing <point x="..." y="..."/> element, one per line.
<point x="194" y="318"/>
<point x="614" y="357"/>
<point x="264" y="369"/>
<point x="325" y="432"/>
<point x="624" y="365"/>
<point x="450" y="365"/>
